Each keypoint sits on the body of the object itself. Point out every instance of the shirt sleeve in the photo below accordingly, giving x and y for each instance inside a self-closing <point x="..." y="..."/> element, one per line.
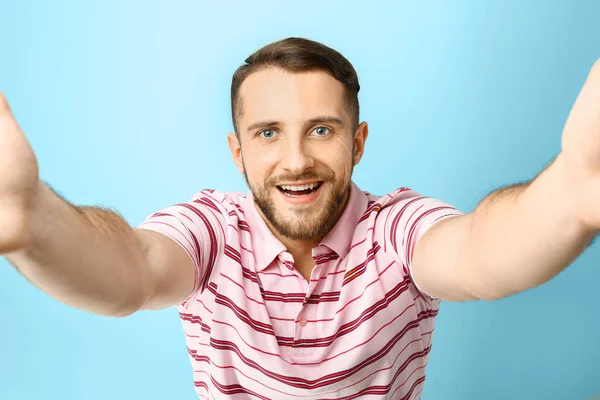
<point x="408" y="216"/>
<point x="198" y="227"/>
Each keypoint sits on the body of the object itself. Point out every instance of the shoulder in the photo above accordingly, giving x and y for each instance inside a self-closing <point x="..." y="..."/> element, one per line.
<point x="395" y="196"/>
<point x="384" y="204"/>
<point x="407" y="213"/>
<point x="227" y="203"/>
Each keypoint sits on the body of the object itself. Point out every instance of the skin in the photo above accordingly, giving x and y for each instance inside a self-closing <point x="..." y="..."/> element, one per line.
<point x="295" y="128"/>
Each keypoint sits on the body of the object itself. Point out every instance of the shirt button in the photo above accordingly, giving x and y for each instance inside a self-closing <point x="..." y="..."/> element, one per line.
<point x="302" y="321"/>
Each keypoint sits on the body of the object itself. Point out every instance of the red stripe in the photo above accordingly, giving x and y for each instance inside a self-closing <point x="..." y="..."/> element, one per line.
<point x="177" y="230"/>
<point x="195" y="319"/>
<point x="362" y="267"/>
<point x="234" y="389"/>
<point x="279" y="275"/>
<point x="299" y="297"/>
<point x="213" y="246"/>
<point x="325" y="258"/>
<point x="375" y="208"/>
<point x="208" y="203"/>
<point x="243" y="290"/>
<point x="248" y="274"/>
<point x="396" y="221"/>
<point x="203" y="305"/>
<point x="413" y="228"/>
<point x="233" y="254"/>
<point x="244" y="226"/>
<point x="239" y="208"/>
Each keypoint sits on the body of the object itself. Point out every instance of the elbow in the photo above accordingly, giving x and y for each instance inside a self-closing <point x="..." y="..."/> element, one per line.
<point x="116" y="310"/>
<point x="130" y="304"/>
<point x="135" y="294"/>
<point x="496" y="290"/>
<point x="486" y="289"/>
<point x="127" y="304"/>
<point x="124" y="311"/>
<point x="491" y="295"/>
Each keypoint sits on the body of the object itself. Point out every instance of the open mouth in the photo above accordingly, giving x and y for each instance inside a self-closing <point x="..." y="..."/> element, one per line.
<point x="299" y="190"/>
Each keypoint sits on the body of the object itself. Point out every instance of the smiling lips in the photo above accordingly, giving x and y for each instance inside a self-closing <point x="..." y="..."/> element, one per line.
<point x="299" y="190"/>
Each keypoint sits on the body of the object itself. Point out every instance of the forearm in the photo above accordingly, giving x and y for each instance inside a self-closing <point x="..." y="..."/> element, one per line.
<point x="85" y="257"/>
<point x="523" y="236"/>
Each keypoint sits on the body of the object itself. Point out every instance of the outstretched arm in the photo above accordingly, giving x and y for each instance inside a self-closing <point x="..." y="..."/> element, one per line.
<point x="86" y="257"/>
<point x="524" y="235"/>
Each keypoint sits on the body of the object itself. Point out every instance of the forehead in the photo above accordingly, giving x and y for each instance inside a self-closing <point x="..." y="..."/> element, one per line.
<point x="274" y="94"/>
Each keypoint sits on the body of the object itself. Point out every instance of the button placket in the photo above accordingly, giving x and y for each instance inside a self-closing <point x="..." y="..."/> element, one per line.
<point x="302" y="321"/>
<point x="305" y="330"/>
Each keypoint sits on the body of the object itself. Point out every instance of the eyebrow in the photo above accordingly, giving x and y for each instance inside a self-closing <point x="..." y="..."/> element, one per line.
<point x="262" y="124"/>
<point x="326" y="120"/>
<point x="317" y="120"/>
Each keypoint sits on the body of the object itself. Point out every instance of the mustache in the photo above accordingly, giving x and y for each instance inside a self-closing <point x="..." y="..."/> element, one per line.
<point x="305" y="176"/>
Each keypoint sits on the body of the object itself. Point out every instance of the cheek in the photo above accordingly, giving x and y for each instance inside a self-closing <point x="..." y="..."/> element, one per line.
<point x="341" y="159"/>
<point x="258" y="154"/>
<point x="258" y="164"/>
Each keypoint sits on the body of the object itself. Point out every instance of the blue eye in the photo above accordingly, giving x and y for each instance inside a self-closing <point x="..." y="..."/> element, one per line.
<point x="321" y="131"/>
<point x="268" y="133"/>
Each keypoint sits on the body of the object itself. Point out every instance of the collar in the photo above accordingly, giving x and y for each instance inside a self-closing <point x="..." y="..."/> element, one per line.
<point x="339" y="239"/>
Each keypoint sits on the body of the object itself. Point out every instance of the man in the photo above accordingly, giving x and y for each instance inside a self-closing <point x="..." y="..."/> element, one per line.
<point x="307" y="287"/>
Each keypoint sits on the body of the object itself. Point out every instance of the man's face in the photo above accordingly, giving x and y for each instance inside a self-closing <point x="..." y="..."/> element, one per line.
<point x="296" y="149"/>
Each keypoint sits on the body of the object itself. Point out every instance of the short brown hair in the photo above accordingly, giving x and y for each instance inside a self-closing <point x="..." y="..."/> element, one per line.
<point x="298" y="55"/>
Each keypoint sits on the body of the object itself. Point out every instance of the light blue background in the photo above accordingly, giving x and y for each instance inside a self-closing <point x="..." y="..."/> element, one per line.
<point x="126" y="104"/>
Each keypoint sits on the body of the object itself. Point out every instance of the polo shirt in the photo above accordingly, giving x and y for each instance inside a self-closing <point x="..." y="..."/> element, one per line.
<point x="255" y="328"/>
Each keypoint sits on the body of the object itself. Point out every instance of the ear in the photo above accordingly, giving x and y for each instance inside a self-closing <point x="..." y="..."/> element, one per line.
<point x="236" y="151"/>
<point x="360" y="138"/>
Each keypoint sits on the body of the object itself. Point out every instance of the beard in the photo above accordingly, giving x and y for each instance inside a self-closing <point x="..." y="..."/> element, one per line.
<point x="307" y="223"/>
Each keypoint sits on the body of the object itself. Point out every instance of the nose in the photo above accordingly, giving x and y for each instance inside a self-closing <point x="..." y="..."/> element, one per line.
<point x="297" y="156"/>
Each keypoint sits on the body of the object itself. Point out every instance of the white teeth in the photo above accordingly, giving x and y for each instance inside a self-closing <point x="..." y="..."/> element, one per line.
<point x="297" y="188"/>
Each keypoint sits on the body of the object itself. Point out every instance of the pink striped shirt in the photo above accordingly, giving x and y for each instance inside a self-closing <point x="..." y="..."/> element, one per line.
<point x="256" y="329"/>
